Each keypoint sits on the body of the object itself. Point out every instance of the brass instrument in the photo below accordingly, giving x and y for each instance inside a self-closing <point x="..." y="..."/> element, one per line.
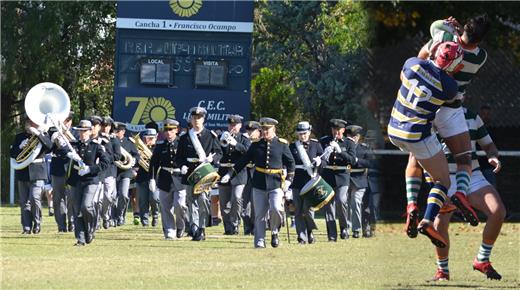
<point x="127" y="162"/>
<point x="44" y="103"/>
<point x="144" y="152"/>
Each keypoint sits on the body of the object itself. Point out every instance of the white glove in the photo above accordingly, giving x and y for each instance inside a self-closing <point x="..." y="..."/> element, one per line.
<point x="286" y="185"/>
<point x="225" y="178"/>
<point x="288" y="194"/>
<point x="84" y="170"/>
<point x="34" y="131"/>
<point x="328" y="150"/>
<point x="24" y="142"/>
<point x="495" y="163"/>
<point x="74" y="156"/>
<point x="232" y="141"/>
<point x="152" y="186"/>
<point x="317" y="161"/>
<point x="184" y="169"/>
<point x="209" y="159"/>
<point x="335" y="145"/>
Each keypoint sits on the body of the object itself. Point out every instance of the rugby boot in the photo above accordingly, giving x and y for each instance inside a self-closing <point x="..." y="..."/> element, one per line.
<point x="441" y="276"/>
<point x="434" y="236"/>
<point x="486" y="268"/>
<point x="412" y="220"/>
<point x="462" y="203"/>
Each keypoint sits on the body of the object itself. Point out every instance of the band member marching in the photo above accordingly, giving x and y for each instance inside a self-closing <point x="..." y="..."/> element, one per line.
<point x="146" y="197"/>
<point x="248" y="210"/>
<point x="130" y="156"/>
<point x="340" y="155"/>
<point x="306" y="153"/>
<point x="270" y="154"/>
<point x="105" y="142"/>
<point x="166" y="178"/>
<point x="234" y="145"/>
<point x="198" y="146"/>
<point x="89" y="160"/>
<point x="31" y="177"/>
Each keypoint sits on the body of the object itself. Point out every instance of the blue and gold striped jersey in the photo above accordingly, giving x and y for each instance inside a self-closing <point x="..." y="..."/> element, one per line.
<point x="423" y="90"/>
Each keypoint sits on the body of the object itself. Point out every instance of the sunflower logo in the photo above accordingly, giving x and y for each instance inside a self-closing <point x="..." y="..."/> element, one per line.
<point x="185" y="8"/>
<point x="158" y="109"/>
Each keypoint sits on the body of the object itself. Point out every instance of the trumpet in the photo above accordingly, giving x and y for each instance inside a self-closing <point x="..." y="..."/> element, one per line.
<point x="144" y="152"/>
<point x="225" y="139"/>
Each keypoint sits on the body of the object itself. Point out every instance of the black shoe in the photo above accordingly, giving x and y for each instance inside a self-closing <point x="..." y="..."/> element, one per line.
<point x="36" y="229"/>
<point x="355" y="235"/>
<point x="62" y="230"/>
<point x="180" y="234"/>
<point x="367" y="234"/>
<point x="79" y="244"/>
<point x="70" y="227"/>
<point x="145" y="225"/>
<point x="344" y="234"/>
<point x="200" y="235"/>
<point x="310" y="237"/>
<point x="275" y="241"/>
<point x="90" y="238"/>
<point x="154" y="222"/>
<point x="120" y="222"/>
<point x="247" y="231"/>
<point x="215" y="221"/>
<point x="106" y="224"/>
<point x="301" y="241"/>
<point x="26" y="232"/>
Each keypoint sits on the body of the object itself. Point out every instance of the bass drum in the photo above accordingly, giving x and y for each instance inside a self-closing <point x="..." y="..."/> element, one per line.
<point x="203" y="178"/>
<point x="317" y="192"/>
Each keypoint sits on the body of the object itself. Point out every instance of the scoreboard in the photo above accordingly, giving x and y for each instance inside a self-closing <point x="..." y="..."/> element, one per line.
<point x="174" y="55"/>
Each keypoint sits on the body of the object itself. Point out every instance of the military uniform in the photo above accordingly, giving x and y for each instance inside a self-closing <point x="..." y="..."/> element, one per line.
<point x="358" y="181"/>
<point x="269" y="157"/>
<point x="172" y="193"/>
<point x="86" y="185"/>
<point x="198" y="205"/>
<point x="248" y="210"/>
<point x="123" y="178"/>
<point x="371" y="200"/>
<point x="113" y="149"/>
<point x="304" y="217"/>
<point x="148" y="200"/>
<point x="230" y="194"/>
<point x="31" y="181"/>
<point x="336" y="173"/>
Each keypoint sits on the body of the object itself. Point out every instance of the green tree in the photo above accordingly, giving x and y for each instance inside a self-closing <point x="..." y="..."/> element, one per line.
<point x="322" y="47"/>
<point x="68" y="43"/>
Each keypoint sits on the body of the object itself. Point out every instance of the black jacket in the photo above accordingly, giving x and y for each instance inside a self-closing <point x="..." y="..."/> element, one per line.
<point x="314" y="149"/>
<point x="113" y="150"/>
<point x="364" y="161"/>
<point x="345" y="158"/>
<point x="210" y="143"/>
<point x="93" y="155"/>
<point x="231" y="155"/>
<point x="38" y="169"/>
<point x="274" y="154"/>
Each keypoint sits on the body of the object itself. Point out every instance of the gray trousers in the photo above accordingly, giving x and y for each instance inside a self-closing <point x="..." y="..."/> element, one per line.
<point x="248" y="210"/>
<point x="303" y="216"/>
<point x="264" y="202"/>
<point x="60" y="199"/>
<point x="123" y="185"/>
<point x="198" y="208"/>
<point x="230" y="198"/>
<point x="84" y="210"/>
<point x="146" y="200"/>
<point x="355" y="197"/>
<point x="109" y="197"/>
<point x="30" y="202"/>
<point x="173" y="211"/>
<point x="339" y="205"/>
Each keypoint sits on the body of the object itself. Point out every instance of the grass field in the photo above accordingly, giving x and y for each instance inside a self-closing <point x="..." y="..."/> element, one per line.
<point x="135" y="257"/>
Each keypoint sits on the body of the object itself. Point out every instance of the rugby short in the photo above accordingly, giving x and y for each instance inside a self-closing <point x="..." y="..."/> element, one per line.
<point x="450" y="121"/>
<point x="424" y="149"/>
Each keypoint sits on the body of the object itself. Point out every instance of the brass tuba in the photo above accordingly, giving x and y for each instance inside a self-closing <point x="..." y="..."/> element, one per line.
<point x="127" y="162"/>
<point x="144" y="152"/>
<point x="44" y="103"/>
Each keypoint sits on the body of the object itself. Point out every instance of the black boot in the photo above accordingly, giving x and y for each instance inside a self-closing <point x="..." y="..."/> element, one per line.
<point x="275" y="241"/>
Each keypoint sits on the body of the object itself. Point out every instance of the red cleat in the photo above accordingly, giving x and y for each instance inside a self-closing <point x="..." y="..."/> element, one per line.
<point x="436" y="238"/>
<point x="462" y="203"/>
<point x="440" y="276"/>
<point x="486" y="268"/>
<point x="412" y="220"/>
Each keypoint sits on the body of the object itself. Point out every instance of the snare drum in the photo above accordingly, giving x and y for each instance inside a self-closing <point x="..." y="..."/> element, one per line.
<point x="317" y="192"/>
<point x="203" y="178"/>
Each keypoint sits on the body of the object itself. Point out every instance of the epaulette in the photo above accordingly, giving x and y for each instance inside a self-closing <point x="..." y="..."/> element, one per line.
<point x="182" y="133"/>
<point x="282" y="140"/>
<point x="214" y="134"/>
<point x="313" y="139"/>
<point x="104" y="139"/>
<point x="159" y="142"/>
<point x="97" y="141"/>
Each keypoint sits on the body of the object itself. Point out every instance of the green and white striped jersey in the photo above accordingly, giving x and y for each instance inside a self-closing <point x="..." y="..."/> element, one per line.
<point x="478" y="134"/>
<point x="473" y="59"/>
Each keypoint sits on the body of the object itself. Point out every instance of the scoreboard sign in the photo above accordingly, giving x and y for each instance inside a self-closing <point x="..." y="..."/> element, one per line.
<point x="174" y="55"/>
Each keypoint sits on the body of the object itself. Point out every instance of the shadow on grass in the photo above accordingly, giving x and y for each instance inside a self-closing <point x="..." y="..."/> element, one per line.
<point x="445" y="285"/>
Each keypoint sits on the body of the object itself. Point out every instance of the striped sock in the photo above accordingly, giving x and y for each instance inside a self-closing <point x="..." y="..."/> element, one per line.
<point x="442" y="264"/>
<point x="462" y="178"/>
<point x="436" y="200"/>
<point x="484" y="252"/>
<point x="413" y="185"/>
<point x="429" y="180"/>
